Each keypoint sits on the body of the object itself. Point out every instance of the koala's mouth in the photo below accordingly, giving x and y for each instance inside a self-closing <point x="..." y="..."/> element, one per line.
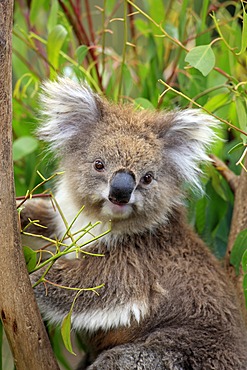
<point x="120" y="204"/>
<point x="116" y="210"/>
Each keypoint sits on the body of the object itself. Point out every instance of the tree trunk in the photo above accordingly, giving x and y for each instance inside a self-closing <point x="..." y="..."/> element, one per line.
<point x="18" y="309"/>
<point x="239" y="223"/>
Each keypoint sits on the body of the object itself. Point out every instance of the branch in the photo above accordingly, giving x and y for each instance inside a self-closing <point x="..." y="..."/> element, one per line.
<point x="238" y="184"/>
<point x="230" y="176"/>
<point x="239" y="223"/>
<point x="18" y="308"/>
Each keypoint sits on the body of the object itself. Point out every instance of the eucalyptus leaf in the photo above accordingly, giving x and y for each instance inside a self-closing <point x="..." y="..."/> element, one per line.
<point x="245" y="288"/>
<point x="202" y="58"/>
<point x="244" y="33"/>
<point x="217" y="185"/>
<point x="24" y="146"/>
<point x="55" y="42"/>
<point x="200" y="206"/>
<point x="217" y="101"/>
<point x="81" y="53"/>
<point x="144" y="103"/>
<point x="244" y="262"/>
<point x="242" y="118"/>
<point x="142" y="26"/>
<point x="109" y="5"/>
<point x="65" y="331"/>
<point x="52" y="20"/>
<point x="36" y="6"/>
<point x="235" y="147"/>
<point x="30" y="258"/>
<point x="127" y="78"/>
<point x="239" y="247"/>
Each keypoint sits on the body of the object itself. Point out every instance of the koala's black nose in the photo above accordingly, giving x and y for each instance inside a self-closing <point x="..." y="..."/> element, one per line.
<point x="121" y="187"/>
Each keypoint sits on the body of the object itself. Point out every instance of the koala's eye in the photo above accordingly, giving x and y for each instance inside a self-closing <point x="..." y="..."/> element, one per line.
<point x="147" y="179"/>
<point x="99" y="165"/>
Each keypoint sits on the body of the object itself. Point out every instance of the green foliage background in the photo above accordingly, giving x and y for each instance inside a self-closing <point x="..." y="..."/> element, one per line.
<point x="156" y="54"/>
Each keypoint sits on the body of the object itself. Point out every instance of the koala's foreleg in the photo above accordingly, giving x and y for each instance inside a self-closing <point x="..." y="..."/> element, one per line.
<point x="43" y="212"/>
<point x="139" y="357"/>
<point x="40" y="226"/>
<point x="173" y="348"/>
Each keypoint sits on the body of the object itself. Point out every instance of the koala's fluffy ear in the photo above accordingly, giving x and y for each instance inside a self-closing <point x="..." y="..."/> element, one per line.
<point x="186" y="138"/>
<point x="67" y="108"/>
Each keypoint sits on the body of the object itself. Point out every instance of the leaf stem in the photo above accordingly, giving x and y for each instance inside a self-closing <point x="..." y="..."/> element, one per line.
<point x="30" y="193"/>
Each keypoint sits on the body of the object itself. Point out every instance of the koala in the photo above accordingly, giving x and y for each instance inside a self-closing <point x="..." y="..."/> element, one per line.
<point x="166" y="303"/>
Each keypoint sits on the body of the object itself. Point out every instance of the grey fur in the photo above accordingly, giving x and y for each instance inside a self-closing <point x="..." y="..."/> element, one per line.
<point x="166" y="302"/>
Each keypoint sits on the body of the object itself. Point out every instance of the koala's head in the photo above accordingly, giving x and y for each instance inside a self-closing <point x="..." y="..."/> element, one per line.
<point x="123" y="165"/>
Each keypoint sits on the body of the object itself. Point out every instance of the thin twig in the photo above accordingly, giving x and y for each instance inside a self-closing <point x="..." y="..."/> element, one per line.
<point x="132" y="27"/>
<point x="42" y="195"/>
<point x="30" y="193"/>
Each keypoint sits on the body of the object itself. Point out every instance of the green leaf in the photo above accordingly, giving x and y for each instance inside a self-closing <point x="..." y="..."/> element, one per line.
<point x="244" y="33"/>
<point x="244" y="262"/>
<point x="52" y="20"/>
<point x="235" y="147"/>
<point x="127" y="78"/>
<point x="65" y="331"/>
<point x="81" y="52"/>
<point x="182" y="19"/>
<point x="217" y="101"/>
<point x="204" y="14"/>
<point x="239" y="247"/>
<point x="30" y="258"/>
<point x="245" y="288"/>
<point x="144" y="103"/>
<point x="157" y="13"/>
<point x="142" y="26"/>
<point x="242" y="118"/>
<point x="55" y="42"/>
<point x="35" y="10"/>
<point x="217" y="184"/>
<point x="200" y="207"/>
<point x="202" y="58"/>
<point x="24" y="146"/>
<point x="109" y="5"/>
<point x="22" y="85"/>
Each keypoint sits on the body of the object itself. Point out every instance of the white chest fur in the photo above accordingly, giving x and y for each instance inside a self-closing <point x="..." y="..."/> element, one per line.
<point x="110" y="317"/>
<point x="102" y="319"/>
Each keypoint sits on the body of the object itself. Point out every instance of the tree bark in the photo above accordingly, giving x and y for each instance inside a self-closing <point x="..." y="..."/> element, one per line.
<point x="18" y="309"/>
<point x="239" y="223"/>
